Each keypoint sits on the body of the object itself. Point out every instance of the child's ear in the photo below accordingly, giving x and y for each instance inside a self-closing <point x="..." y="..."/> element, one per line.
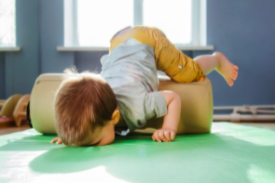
<point x="115" y="116"/>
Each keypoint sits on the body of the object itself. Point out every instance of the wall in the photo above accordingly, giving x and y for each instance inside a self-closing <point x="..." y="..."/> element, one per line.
<point x="51" y="35"/>
<point x="89" y="61"/>
<point x="21" y="68"/>
<point x="2" y="75"/>
<point x="242" y="30"/>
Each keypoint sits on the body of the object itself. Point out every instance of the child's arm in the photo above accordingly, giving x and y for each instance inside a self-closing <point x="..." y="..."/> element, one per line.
<point x="171" y="119"/>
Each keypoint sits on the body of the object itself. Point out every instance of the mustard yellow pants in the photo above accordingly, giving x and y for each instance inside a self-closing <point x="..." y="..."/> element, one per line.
<point x="169" y="59"/>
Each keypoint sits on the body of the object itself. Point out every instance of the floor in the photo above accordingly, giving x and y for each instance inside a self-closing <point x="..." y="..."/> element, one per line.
<point x="8" y="128"/>
<point x="11" y="128"/>
<point x="270" y="126"/>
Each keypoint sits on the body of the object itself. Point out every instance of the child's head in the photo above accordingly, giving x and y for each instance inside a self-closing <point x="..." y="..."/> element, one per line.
<point x="86" y="111"/>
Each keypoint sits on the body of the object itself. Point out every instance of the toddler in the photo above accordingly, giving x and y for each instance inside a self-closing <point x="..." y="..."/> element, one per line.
<point x="88" y="107"/>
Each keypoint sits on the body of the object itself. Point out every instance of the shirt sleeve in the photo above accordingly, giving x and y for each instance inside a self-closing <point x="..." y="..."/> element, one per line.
<point x="154" y="105"/>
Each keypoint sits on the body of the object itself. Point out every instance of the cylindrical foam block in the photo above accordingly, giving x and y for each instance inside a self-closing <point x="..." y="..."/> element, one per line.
<point x="196" y="104"/>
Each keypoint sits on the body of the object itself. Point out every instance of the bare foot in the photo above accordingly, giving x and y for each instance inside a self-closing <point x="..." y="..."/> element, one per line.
<point x="228" y="70"/>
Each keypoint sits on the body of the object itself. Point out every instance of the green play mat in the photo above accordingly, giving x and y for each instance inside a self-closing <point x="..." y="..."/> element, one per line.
<point x="232" y="153"/>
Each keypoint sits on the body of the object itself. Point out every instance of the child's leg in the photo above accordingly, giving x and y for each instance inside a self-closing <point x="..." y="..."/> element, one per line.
<point x="221" y="64"/>
<point x="183" y="69"/>
<point x="173" y="62"/>
<point x="170" y="60"/>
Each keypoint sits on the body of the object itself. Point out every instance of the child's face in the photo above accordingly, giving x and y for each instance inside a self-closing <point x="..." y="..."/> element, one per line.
<point x="104" y="136"/>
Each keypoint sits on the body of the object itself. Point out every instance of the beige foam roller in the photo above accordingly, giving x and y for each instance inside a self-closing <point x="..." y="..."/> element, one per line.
<point x="196" y="100"/>
<point x="196" y="106"/>
<point x="20" y="110"/>
<point x="9" y="105"/>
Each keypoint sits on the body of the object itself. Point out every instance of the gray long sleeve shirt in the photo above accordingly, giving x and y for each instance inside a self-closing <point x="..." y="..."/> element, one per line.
<point x="131" y="72"/>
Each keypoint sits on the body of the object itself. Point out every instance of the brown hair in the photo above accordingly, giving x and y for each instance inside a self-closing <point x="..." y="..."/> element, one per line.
<point x="82" y="104"/>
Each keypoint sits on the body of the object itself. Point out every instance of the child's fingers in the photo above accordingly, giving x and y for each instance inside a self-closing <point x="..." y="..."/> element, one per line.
<point x="153" y="137"/>
<point x="59" y="141"/>
<point x="161" y="135"/>
<point x="156" y="135"/>
<point x="172" y="135"/>
<point x="54" y="140"/>
<point x="167" y="135"/>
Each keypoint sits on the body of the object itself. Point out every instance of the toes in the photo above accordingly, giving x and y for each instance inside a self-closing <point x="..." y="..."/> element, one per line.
<point x="235" y="72"/>
<point x="235" y="67"/>
<point x="230" y="81"/>
<point x="234" y="77"/>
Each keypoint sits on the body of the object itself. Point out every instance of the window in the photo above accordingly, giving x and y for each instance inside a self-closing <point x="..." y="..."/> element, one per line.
<point x="7" y="22"/>
<point x="93" y="22"/>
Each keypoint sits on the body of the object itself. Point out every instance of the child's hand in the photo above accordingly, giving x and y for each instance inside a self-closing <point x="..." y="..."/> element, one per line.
<point x="57" y="140"/>
<point x="164" y="134"/>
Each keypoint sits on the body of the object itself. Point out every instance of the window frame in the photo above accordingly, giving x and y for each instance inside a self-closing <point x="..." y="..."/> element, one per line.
<point x="198" y="28"/>
<point x="198" y="32"/>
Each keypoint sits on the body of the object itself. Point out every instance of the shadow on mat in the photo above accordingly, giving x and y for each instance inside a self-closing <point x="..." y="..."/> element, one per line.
<point x="192" y="158"/>
<point x="197" y="158"/>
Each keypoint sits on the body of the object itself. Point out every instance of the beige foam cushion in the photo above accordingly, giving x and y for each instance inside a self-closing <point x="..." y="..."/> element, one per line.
<point x="196" y="103"/>
<point x="9" y="105"/>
